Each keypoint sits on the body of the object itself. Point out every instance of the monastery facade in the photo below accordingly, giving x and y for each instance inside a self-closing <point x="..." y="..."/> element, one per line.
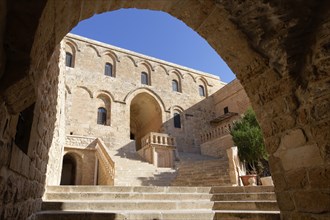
<point x="136" y="104"/>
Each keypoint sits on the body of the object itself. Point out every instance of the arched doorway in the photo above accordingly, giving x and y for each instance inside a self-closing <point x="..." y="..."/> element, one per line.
<point x="145" y="117"/>
<point x="69" y="168"/>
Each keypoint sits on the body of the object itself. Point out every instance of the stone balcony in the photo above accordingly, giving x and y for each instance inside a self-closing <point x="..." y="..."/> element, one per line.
<point x="158" y="149"/>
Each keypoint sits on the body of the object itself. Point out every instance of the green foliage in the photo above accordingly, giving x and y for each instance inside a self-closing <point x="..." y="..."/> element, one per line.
<point x="248" y="138"/>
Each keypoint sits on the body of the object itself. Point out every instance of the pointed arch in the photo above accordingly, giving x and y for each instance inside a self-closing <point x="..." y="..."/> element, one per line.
<point x="105" y="93"/>
<point x="132" y="59"/>
<point x="146" y="64"/>
<point x="129" y="97"/>
<point x="112" y="54"/>
<point x="176" y="72"/>
<point x="87" y="90"/>
<point x="201" y="78"/>
<point x="73" y="44"/>
<point x="185" y="75"/>
<point x="162" y="67"/>
<point x="95" y="49"/>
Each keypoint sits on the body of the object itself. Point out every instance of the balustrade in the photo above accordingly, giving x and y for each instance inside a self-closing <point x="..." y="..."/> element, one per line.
<point x="217" y="132"/>
<point x="158" y="149"/>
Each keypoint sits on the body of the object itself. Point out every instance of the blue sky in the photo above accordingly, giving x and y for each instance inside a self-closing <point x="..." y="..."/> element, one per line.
<point x="155" y="34"/>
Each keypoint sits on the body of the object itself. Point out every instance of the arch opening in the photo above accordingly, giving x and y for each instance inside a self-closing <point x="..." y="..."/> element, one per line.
<point x="145" y="117"/>
<point x="69" y="170"/>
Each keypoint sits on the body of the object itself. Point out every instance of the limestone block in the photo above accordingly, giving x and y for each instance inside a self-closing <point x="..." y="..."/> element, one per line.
<point x="303" y="201"/>
<point x="319" y="177"/>
<point x="305" y="156"/>
<point x="297" y="179"/>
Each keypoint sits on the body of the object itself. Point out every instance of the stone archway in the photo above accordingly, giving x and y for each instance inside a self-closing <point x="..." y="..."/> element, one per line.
<point x="145" y="117"/>
<point x="69" y="170"/>
<point x="278" y="50"/>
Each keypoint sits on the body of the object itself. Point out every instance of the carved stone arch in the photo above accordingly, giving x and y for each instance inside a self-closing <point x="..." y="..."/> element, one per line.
<point x="178" y="116"/>
<point x="146" y="64"/>
<point x="112" y="54"/>
<point x="106" y="103"/>
<point x="186" y="74"/>
<point x="202" y="85"/>
<point x="176" y="108"/>
<point x="95" y="49"/>
<point x="202" y="78"/>
<point x="132" y="59"/>
<point x="129" y="97"/>
<point x="87" y="90"/>
<point x="105" y="93"/>
<point x="162" y="67"/>
<point x="109" y="57"/>
<point x="176" y="72"/>
<point x="72" y="44"/>
<point x="176" y="75"/>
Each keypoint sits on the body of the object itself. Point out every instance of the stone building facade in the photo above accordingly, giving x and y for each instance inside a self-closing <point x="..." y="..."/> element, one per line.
<point x="121" y="97"/>
<point x="279" y="50"/>
<point x="133" y="108"/>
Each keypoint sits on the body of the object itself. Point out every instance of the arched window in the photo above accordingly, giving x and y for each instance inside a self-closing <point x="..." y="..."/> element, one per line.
<point x="101" y="116"/>
<point x="201" y="90"/>
<point x="108" y="69"/>
<point x="144" y="78"/>
<point x="177" y="120"/>
<point x="68" y="59"/>
<point x="175" y="86"/>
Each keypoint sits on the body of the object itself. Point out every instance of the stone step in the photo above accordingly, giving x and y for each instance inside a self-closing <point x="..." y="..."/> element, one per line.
<point x="241" y="189"/>
<point x="138" y="189"/>
<point x="108" y="205"/>
<point x="267" y="205"/>
<point x="63" y="196"/>
<point x="243" y="196"/>
<point x="163" y="215"/>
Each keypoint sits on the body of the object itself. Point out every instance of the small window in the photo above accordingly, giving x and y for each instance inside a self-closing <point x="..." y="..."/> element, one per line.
<point x="201" y="90"/>
<point x="225" y="110"/>
<point x="144" y="78"/>
<point x="175" y="86"/>
<point x="68" y="59"/>
<point x="101" y="116"/>
<point x="177" y="120"/>
<point x="23" y="128"/>
<point x="108" y="69"/>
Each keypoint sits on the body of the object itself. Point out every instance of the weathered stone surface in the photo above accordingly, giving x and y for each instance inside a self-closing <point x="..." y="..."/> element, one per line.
<point x="286" y="42"/>
<point x="319" y="177"/>
<point x="303" y="198"/>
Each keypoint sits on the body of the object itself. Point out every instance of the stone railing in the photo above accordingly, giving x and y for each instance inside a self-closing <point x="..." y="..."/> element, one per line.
<point x="158" y="149"/>
<point x="217" y="132"/>
<point x="82" y="143"/>
<point x="105" y="159"/>
<point x="79" y="141"/>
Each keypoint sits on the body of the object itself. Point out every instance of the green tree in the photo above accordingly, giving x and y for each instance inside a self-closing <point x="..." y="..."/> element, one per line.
<point x="248" y="138"/>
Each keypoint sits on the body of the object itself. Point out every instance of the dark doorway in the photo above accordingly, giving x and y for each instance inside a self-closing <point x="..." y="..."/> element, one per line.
<point x="68" y="170"/>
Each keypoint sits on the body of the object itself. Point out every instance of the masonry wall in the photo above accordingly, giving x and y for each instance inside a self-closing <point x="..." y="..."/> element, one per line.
<point x="22" y="175"/>
<point x="89" y="88"/>
<point x="216" y="140"/>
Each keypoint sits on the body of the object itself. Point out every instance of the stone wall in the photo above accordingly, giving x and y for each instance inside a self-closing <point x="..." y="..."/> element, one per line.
<point x="89" y="88"/>
<point x="23" y="175"/>
<point x="278" y="50"/>
<point x="216" y="140"/>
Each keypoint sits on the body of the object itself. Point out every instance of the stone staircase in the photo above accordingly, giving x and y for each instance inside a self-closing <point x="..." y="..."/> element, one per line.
<point x="132" y="170"/>
<point x="202" y="203"/>
<point x="201" y="170"/>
